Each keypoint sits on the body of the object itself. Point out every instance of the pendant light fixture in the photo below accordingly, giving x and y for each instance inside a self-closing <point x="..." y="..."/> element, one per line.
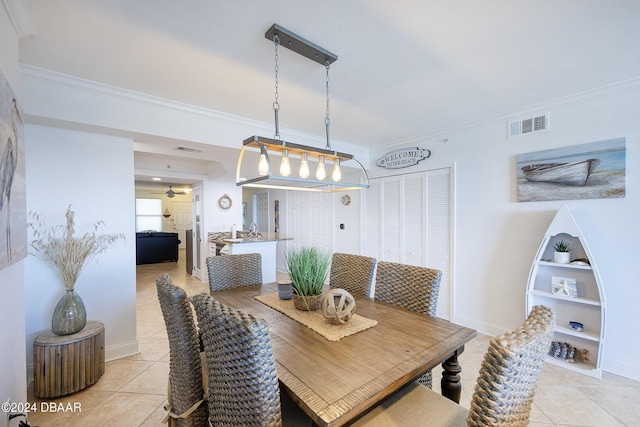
<point x="262" y="175"/>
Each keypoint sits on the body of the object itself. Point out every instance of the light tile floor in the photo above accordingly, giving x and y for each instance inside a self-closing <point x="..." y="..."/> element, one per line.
<point x="132" y="391"/>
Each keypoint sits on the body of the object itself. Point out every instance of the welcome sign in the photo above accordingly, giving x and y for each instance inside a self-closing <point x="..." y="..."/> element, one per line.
<point x="403" y="158"/>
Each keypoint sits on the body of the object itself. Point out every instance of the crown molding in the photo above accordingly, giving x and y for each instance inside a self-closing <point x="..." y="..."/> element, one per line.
<point x="20" y="16"/>
<point x="66" y="81"/>
<point x="29" y="73"/>
<point x="591" y="95"/>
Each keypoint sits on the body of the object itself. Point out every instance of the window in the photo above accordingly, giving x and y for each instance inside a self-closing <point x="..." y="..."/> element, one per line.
<point x="148" y="215"/>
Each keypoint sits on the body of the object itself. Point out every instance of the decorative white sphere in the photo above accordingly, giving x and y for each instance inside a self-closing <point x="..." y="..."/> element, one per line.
<point x="338" y="306"/>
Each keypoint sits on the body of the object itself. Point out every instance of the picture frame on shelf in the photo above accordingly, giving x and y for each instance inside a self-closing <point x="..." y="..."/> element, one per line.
<point x="564" y="286"/>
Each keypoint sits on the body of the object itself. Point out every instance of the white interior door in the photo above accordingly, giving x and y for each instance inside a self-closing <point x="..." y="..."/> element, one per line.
<point x="182" y="220"/>
<point x="309" y="219"/>
<point x="320" y="228"/>
<point x="263" y="212"/>
<point x="198" y="239"/>
<point x="298" y="219"/>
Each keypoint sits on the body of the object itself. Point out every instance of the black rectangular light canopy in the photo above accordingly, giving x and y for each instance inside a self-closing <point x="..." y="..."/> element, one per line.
<point x="300" y="45"/>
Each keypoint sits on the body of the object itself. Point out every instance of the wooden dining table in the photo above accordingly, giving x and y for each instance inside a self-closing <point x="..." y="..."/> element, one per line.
<point x="335" y="382"/>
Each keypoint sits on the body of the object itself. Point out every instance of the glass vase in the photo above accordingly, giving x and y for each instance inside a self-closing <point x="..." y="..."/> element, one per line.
<point x="70" y="315"/>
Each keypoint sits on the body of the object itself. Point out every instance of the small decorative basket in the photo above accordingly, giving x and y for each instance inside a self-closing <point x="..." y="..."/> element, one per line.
<point x="338" y="306"/>
<point x="307" y="303"/>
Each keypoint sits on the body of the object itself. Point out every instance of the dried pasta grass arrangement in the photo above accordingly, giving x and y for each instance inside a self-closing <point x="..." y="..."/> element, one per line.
<point x="67" y="255"/>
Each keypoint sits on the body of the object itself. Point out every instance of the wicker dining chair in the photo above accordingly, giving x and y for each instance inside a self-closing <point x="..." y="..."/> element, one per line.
<point x="503" y="393"/>
<point x="411" y="287"/>
<point x="187" y="406"/>
<point x="243" y="381"/>
<point x="353" y="273"/>
<point x="233" y="271"/>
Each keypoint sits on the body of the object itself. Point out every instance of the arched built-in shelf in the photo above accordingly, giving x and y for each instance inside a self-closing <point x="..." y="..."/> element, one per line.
<point x="588" y="308"/>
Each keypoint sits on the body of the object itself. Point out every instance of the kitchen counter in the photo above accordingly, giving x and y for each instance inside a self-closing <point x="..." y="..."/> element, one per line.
<point x="264" y="244"/>
<point x="221" y="238"/>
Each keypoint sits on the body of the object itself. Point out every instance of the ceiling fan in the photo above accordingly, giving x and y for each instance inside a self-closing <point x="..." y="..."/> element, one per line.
<point x="171" y="194"/>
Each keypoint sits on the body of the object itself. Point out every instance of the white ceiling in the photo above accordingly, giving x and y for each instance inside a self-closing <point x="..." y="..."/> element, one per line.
<point x="408" y="70"/>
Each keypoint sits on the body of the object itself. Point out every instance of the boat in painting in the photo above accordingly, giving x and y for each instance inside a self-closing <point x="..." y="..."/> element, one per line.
<point x="576" y="173"/>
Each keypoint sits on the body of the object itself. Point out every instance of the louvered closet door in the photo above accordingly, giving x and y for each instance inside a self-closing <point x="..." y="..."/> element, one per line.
<point x="408" y="219"/>
<point x="440" y="235"/>
<point x="392" y="220"/>
<point x="414" y="224"/>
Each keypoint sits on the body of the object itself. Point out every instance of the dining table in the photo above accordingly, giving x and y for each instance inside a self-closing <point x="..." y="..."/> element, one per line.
<point x="335" y="382"/>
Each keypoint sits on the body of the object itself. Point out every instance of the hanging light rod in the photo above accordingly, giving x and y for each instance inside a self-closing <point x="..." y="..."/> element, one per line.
<point x="300" y="45"/>
<point x="262" y="172"/>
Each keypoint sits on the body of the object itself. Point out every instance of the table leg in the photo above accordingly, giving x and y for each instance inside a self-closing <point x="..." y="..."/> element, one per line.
<point x="450" y="383"/>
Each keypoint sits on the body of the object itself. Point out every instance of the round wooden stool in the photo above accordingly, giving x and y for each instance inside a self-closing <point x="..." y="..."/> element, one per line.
<point x="68" y="363"/>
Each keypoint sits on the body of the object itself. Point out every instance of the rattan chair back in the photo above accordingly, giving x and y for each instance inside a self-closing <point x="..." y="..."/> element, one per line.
<point x="412" y="287"/>
<point x="503" y="393"/>
<point x="508" y="375"/>
<point x="233" y="271"/>
<point x="243" y="382"/>
<point x="353" y="273"/>
<point x="186" y="405"/>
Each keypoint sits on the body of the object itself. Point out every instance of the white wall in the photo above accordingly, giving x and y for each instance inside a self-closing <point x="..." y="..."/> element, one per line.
<point x="13" y="373"/>
<point x="497" y="238"/>
<point x="94" y="174"/>
<point x="214" y="218"/>
<point x="348" y="239"/>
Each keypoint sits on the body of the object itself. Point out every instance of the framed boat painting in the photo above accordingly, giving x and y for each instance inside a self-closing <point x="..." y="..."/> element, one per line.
<point x="587" y="171"/>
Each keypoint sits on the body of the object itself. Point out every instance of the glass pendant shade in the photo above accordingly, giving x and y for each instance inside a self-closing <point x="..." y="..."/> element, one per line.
<point x="304" y="167"/>
<point x="336" y="175"/>
<point x="285" y="166"/>
<point x="321" y="173"/>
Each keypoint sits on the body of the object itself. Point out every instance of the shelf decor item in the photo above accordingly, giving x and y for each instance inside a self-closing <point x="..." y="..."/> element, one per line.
<point x="564" y="286"/>
<point x="308" y="268"/>
<point x="562" y="254"/>
<point x="576" y="326"/>
<point x="567" y="353"/>
<point x="59" y="248"/>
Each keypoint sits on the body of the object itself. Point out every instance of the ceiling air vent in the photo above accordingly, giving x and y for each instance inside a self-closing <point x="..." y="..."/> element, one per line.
<point x="529" y="125"/>
<point x="189" y="149"/>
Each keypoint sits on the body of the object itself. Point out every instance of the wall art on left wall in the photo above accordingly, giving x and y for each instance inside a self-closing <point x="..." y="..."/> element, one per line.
<point x="13" y="200"/>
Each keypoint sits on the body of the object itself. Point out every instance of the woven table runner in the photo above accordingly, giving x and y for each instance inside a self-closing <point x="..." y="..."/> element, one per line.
<point x="315" y="320"/>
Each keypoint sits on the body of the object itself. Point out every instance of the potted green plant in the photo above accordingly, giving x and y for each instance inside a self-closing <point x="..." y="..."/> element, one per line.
<point x="308" y="268"/>
<point x="67" y="255"/>
<point x="562" y="252"/>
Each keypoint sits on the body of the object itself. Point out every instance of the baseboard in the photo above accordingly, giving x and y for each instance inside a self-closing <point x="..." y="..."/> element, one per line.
<point x="624" y="369"/>
<point x="613" y="366"/>
<point x="121" y="350"/>
<point x="482" y="328"/>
